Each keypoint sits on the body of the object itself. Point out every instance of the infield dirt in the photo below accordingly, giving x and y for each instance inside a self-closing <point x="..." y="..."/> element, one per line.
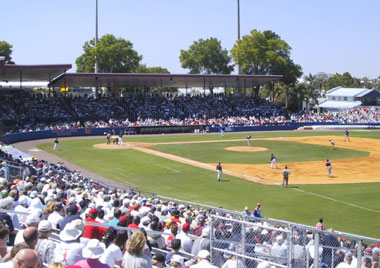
<point x="351" y="170"/>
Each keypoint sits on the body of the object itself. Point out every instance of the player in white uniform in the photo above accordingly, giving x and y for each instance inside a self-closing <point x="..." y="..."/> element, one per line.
<point x="332" y="144"/>
<point x="249" y="140"/>
<point x="329" y="168"/>
<point x="56" y="145"/>
<point x="273" y="161"/>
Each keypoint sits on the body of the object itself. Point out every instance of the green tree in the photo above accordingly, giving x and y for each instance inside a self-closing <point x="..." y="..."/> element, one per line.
<point x="266" y="53"/>
<point x="6" y="51"/>
<point x="206" y="57"/>
<point x="115" y="55"/>
<point x="142" y="68"/>
<point x="343" y="80"/>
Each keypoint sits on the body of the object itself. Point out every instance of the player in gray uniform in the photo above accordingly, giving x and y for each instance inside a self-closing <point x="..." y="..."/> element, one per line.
<point x="286" y="172"/>
<point x="346" y="135"/>
<point x="332" y="144"/>
<point x="249" y="140"/>
<point x="219" y="170"/>
<point x="329" y="168"/>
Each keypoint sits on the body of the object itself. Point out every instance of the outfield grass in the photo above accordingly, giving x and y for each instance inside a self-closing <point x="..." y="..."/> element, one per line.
<point x="301" y="203"/>
<point x="284" y="151"/>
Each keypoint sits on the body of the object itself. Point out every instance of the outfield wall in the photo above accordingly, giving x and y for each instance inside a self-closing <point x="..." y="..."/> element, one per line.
<point x="45" y="134"/>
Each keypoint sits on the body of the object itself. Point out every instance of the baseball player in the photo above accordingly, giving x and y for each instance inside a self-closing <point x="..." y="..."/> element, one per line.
<point x="329" y="167"/>
<point x="249" y="140"/>
<point x="222" y="129"/>
<point x="219" y="171"/>
<point x="109" y="138"/>
<point x="273" y="161"/>
<point x="121" y="138"/>
<point x="286" y="172"/>
<point x="346" y="135"/>
<point x="56" y="144"/>
<point x="332" y="144"/>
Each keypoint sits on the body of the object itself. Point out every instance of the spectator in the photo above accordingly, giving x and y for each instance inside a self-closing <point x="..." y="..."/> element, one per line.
<point x="30" y="235"/>
<point x="202" y="243"/>
<point x="176" y="246"/>
<point x="158" y="260"/>
<point x="92" y="252"/>
<point x="4" y="237"/>
<point x="134" y="257"/>
<point x="177" y="261"/>
<point x="24" y="258"/>
<point x="71" y="214"/>
<point x="56" y="216"/>
<point x="203" y="260"/>
<point x="347" y="261"/>
<point x="45" y="246"/>
<point x="90" y="231"/>
<point x="70" y="251"/>
<point x="31" y="221"/>
<point x="319" y="225"/>
<point x="113" y="253"/>
<point x="186" y="241"/>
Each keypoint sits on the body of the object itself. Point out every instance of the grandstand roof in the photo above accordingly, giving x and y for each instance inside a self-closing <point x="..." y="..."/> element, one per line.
<point x="340" y="104"/>
<point x="14" y="72"/>
<point x="348" y="92"/>
<point x="159" y="80"/>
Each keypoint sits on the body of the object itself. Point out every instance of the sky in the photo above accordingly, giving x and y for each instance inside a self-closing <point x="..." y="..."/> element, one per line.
<point x="332" y="36"/>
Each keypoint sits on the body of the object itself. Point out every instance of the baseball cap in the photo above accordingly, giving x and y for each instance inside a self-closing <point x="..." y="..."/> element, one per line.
<point x="158" y="258"/>
<point x="186" y="227"/>
<point x="44" y="226"/>
<point x="93" y="212"/>
<point x="72" y="208"/>
<point x="203" y="254"/>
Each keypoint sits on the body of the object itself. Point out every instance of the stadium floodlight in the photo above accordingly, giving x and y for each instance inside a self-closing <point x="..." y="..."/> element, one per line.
<point x="238" y="26"/>
<point x="96" y="36"/>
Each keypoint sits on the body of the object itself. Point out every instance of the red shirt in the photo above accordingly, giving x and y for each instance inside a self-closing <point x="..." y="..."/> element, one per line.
<point x="91" y="231"/>
<point x="134" y="226"/>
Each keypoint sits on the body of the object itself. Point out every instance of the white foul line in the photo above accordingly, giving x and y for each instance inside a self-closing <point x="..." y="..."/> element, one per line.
<point x="173" y="170"/>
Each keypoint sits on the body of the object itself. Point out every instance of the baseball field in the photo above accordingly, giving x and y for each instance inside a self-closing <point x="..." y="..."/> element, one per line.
<point x="183" y="167"/>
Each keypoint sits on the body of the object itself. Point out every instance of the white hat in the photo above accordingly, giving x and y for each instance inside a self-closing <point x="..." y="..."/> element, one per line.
<point x="78" y="224"/>
<point x="204" y="254"/>
<point x="69" y="233"/>
<point x="177" y="258"/>
<point x="36" y="204"/>
<point x="93" y="250"/>
<point x="126" y="201"/>
<point x="33" y="194"/>
<point x="44" y="226"/>
<point x="205" y="232"/>
<point x="263" y="264"/>
<point x="32" y="219"/>
<point x="23" y="200"/>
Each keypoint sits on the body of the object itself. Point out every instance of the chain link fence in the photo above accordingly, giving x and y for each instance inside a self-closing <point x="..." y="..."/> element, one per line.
<point x="264" y="243"/>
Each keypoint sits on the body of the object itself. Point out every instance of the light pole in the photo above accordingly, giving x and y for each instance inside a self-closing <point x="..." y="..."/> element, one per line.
<point x="238" y="25"/>
<point x="96" y="37"/>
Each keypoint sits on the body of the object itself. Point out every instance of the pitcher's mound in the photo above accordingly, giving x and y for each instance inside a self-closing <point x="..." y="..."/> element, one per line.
<point x="246" y="149"/>
<point x="127" y="145"/>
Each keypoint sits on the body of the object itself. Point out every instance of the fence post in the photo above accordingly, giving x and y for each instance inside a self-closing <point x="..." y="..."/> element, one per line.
<point x="316" y="249"/>
<point x="243" y="240"/>
<point x="291" y="247"/>
<point x="359" y="253"/>
<point x="212" y="238"/>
